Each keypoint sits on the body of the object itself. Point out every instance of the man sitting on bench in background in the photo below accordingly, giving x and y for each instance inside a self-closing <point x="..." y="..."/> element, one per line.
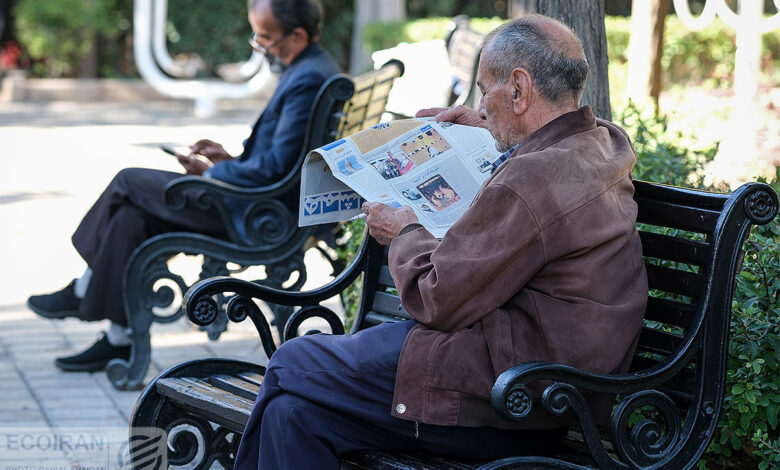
<point x="132" y="208"/>
<point x="546" y="265"/>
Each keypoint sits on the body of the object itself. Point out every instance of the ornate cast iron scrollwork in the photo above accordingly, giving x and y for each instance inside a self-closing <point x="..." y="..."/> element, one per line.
<point x="647" y="442"/>
<point x="561" y="398"/>
<point x="761" y="206"/>
<point x="518" y="401"/>
<point x="212" y="267"/>
<point x="269" y="223"/>
<point x="162" y="296"/>
<point x="278" y="273"/>
<point x="205" y="311"/>
<point x="194" y="444"/>
<point x="239" y="307"/>
<point x="312" y="311"/>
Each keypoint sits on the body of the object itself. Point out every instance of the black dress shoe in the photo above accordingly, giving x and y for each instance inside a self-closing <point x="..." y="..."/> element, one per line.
<point x="94" y="358"/>
<point x="57" y="305"/>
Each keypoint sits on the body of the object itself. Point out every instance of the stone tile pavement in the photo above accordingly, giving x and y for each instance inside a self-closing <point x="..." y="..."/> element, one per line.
<point x="56" y="159"/>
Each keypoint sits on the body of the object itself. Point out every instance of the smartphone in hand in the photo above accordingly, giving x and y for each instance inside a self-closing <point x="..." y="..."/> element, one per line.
<point x="170" y="151"/>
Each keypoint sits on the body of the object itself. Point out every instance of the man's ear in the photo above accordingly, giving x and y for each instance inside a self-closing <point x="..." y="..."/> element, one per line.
<point x="300" y="35"/>
<point x="522" y="86"/>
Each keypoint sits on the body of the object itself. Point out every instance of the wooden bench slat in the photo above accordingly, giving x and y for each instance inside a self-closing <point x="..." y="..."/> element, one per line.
<point x="655" y="245"/>
<point x="252" y="377"/>
<point x="385" y="279"/>
<point x="220" y="407"/>
<point x="389" y="304"/>
<point x="374" y="318"/>
<point x="378" y="460"/>
<point x="675" y="281"/>
<point x="235" y="385"/>
<point x="670" y="312"/>
<point x="666" y="214"/>
<point x="657" y="341"/>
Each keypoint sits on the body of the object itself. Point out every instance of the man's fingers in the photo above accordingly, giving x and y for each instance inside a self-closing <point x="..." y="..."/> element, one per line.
<point x="426" y="112"/>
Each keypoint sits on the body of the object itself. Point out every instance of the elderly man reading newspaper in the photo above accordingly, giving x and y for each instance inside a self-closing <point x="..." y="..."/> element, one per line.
<point x="545" y="265"/>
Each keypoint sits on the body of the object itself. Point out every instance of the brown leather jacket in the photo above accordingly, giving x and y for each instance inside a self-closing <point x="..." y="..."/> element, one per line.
<point x="546" y="265"/>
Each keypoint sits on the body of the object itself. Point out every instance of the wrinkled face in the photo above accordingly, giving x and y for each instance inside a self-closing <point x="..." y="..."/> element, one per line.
<point x="495" y="106"/>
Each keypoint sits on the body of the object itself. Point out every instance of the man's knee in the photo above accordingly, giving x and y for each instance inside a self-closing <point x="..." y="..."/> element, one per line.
<point x="285" y="410"/>
<point x="126" y="175"/>
<point x="292" y="353"/>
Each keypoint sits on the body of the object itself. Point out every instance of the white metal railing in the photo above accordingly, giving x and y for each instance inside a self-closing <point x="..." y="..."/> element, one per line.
<point x="159" y="70"/>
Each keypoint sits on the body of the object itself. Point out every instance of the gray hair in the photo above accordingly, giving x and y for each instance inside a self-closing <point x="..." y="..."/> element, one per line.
<point x="291" y="14"/>
<point x="523" y="43"/>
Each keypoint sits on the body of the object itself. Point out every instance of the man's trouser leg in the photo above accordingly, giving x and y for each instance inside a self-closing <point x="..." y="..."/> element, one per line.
<point x="130" y="210"/>
<point x="326" y="395"/>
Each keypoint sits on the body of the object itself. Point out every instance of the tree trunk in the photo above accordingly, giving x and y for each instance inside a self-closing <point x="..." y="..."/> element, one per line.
<point x="520" y="7"/>
<point x="645" y="50"/>
<point x="586" y="18"/>
<point x="369" y="11"/>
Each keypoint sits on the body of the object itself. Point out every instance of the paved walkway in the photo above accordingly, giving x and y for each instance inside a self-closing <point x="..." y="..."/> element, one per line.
<point x="56" y="160"/>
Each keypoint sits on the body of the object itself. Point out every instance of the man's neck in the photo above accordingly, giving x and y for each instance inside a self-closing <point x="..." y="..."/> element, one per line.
<point x="542" y="114"/>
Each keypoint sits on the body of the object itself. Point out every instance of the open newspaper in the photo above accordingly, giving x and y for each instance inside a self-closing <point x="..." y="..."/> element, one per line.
<point x="436" y="168"/>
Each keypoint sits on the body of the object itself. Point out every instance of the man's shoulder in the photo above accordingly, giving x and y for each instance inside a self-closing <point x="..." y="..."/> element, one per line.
<point x="566" y="175"/>
<point x="317" y="65"/>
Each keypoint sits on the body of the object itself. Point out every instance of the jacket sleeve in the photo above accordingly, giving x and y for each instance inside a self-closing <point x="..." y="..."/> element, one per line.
<point x="266" y="164"/>
<point x="484" y="259"/>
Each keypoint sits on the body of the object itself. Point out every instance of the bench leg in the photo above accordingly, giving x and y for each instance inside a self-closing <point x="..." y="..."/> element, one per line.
<point x="129" y="375"/>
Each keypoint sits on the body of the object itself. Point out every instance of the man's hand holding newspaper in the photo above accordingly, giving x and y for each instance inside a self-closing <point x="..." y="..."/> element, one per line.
<point x="431" y="169"/>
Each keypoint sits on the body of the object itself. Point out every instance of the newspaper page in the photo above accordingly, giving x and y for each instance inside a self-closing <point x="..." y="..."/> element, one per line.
<point x="436" y="168"/>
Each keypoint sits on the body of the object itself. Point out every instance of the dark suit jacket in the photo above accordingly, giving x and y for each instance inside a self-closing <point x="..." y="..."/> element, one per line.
<point x="275" y="143"/>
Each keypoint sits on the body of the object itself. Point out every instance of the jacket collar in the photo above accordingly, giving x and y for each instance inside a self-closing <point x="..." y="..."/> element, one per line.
<point x="565" y="125"/>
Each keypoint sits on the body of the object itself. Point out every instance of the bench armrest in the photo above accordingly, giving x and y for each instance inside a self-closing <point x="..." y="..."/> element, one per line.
<point x="202" y="309"/>
<point x="264" y="218"/>
<point x="515" y="381"/>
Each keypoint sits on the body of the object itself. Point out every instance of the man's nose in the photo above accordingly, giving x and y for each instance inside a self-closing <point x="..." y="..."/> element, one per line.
<point x="481" y="109"/>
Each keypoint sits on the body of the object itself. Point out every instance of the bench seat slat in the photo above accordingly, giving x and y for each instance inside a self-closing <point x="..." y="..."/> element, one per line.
<point x="235" y="385"/>
<point x="389" y="304"/>
<point x="374" y="318"/>
<point x="252" y="377"/>
<point x="379" y="460"/>
<point x="219" y="406"/>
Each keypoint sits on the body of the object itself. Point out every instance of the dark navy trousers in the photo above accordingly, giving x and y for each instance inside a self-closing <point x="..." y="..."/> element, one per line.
<point x="326" y="395"/>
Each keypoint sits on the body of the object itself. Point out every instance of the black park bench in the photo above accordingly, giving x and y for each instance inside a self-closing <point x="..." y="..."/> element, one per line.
<point x="270" y="235"/>
<point x="691" y="241"/>
<point x="464" y="45"/>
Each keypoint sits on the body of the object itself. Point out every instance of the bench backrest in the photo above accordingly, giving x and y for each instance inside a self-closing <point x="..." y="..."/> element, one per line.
<point x="691" y="244"/>
<point x="464" y="46"/>
<point x="342" y="106"/>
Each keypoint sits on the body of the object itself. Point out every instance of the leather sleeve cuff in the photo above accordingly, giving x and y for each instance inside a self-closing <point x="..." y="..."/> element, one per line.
<point x="409" y="228"/>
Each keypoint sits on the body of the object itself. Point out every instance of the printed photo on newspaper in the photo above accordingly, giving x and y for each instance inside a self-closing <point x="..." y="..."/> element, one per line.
<point x="436" y="168"/>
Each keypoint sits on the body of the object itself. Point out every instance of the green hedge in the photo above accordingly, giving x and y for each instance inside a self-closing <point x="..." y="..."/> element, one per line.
<point x="706" y="55"/>
<point x="215" y="30"/>
<point x="58" y="35"/>
<point x="689" y="56"/>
